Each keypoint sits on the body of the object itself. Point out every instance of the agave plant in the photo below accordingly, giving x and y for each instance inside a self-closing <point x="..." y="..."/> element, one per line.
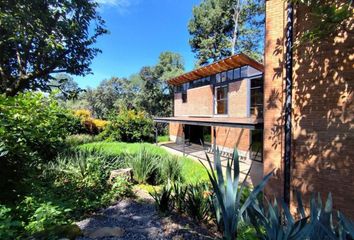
<point x="276" y="222"/>
<point x="227" y="202"/>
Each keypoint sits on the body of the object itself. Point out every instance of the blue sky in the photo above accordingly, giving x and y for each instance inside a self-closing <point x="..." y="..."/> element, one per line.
<point x="139" y="31"/>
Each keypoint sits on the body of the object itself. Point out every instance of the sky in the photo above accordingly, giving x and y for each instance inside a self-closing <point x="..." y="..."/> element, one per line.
<point x="139" y="31"/>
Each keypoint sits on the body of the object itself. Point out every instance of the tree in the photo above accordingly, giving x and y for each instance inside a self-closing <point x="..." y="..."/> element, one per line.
<point x="218" y="28"/>
<point x="155" y="96"/>
<point x="102" y="99"/>
<point x="68" y="88"/>
<point x="41" y="37"/>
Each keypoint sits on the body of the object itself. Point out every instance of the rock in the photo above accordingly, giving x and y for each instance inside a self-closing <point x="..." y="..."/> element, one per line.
<point x="107" y="232"/>
<point x="126" y="173"/>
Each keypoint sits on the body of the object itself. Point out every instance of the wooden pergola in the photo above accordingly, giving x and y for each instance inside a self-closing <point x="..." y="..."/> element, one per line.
<point x="234" y="61"/>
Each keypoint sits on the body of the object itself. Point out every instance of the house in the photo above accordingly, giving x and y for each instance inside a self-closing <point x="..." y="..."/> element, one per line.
<point x="220" y="106"/>
<point x="238" y="102"/>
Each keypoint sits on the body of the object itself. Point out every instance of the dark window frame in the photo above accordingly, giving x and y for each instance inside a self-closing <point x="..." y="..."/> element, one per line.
<point x="215" y="104"/>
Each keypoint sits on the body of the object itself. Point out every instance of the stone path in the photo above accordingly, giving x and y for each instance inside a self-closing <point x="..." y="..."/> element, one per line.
<point x="138" y="219"/>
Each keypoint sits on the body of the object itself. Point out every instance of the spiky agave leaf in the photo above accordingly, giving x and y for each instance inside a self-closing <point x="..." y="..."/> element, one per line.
<point x="227" y="194"/>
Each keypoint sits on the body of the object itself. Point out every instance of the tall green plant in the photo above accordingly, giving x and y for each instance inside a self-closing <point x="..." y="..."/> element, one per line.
<point x="228" y="195"/>
<point x="144" y="165"/>
<point x="276" y="222"/>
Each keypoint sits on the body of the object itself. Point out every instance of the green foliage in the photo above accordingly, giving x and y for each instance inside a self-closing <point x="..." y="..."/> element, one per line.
<point x="170" y="168"/>
<point x="46" y="215"/>
<point x="144" y="165"/>
<point x="130" y="126"/>
<point x="227" y="202"/>
<point x="8" y="226"/>
<point x="212" y="26"/>
<point x="39" y="38"/>
<point x="163" y="198"/>
<point x="276" y="221"/>
<point x="179" y="196"/>
<point x="328" y="17"/>
<point x="192" y="171"/>
<point x="80" y="139"/>
<point x="198" y="201"/>
<point x="32" y="130"/>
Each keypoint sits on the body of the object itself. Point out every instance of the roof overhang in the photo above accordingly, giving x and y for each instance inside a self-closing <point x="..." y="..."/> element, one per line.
<point x="234" y="61"/>
<point x="247" y="123"/>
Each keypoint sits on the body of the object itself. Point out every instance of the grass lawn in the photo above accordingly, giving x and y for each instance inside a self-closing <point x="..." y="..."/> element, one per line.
<point x="164" y="138"/>
<point x="192" y="170"/>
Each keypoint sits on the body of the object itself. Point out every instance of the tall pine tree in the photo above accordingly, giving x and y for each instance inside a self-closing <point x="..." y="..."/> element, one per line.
<point x="216" y="23"/>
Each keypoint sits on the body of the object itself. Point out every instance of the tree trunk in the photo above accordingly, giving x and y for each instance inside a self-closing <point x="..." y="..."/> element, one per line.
<point x="237" y="11"/>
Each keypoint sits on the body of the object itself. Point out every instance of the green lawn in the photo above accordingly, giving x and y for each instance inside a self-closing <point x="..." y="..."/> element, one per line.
<point x="192" y="170"/>
<point x="164" y="138"/>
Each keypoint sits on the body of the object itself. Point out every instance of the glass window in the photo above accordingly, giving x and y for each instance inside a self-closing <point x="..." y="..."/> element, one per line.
<point x="218" y="78"/>
<point x="244" y="71"/>
<point x="221" y="99"/>
<point x="230" y="75"/>
<point x="257" y="97"/>
<point x="184" y="97"/>
<point x="237" y="73"/>
<point x="223" y="76"/>
<point x="212" y="78"/>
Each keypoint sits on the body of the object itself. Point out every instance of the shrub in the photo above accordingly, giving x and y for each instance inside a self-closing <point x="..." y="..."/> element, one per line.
<point x="79" y="139"/>
<point x="163" y="198"/>
<point x="45" y="216"/>
<point x="170" y="168"/>
<point x="8" y="226"/>
<point x="198" y="200"/>
<point x="32" y="130"/>
<point x="144" y="165"/>
<point x="90" y="125"/>
<point x="130" y="126"/>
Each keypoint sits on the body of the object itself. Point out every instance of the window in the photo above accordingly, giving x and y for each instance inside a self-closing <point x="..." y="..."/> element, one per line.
<point x="237" y="74"/>
<point x="184" y="97"/>
<point x="244" y="71"/>
<point x="257" y="97"/>
<point x="223" y="76"/>
<point x="230" y="75"/>
<point x="218" y="77"/>
<point x="221" y="99"/>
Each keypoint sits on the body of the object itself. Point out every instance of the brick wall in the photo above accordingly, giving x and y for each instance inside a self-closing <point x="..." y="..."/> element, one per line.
<point x="199" y="102"/>
<point x="238" y="99"/>
<point x="323" y="109"/>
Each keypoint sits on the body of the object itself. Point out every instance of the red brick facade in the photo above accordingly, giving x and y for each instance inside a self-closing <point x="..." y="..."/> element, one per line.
<point x="200" y="103"/>
<point x="323" y="109"/>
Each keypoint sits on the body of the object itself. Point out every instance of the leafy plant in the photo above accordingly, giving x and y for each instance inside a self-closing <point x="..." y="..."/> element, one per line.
<point x="144" y="165"/>
<point x="179" y="196"/>
<point x="273" y="224"/>
<point x="170" y="168"/>
<point x="276" y="221"/>
<point x="227" y="194"/>
<point x="198" y="201"/>
<point x="163" y="198"/>
<point x="129" y="126"/>
<point x="8" y="226"/>
<point x="45" y="216"/>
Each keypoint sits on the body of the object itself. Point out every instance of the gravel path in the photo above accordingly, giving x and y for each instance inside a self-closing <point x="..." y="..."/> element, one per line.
<point x="138" y="219"/>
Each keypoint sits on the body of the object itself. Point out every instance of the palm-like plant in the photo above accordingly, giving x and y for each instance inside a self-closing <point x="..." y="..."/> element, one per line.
<point x="227" y="203"/>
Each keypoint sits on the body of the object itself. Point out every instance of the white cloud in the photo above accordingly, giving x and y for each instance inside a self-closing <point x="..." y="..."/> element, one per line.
<point x="121" y="5"/>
